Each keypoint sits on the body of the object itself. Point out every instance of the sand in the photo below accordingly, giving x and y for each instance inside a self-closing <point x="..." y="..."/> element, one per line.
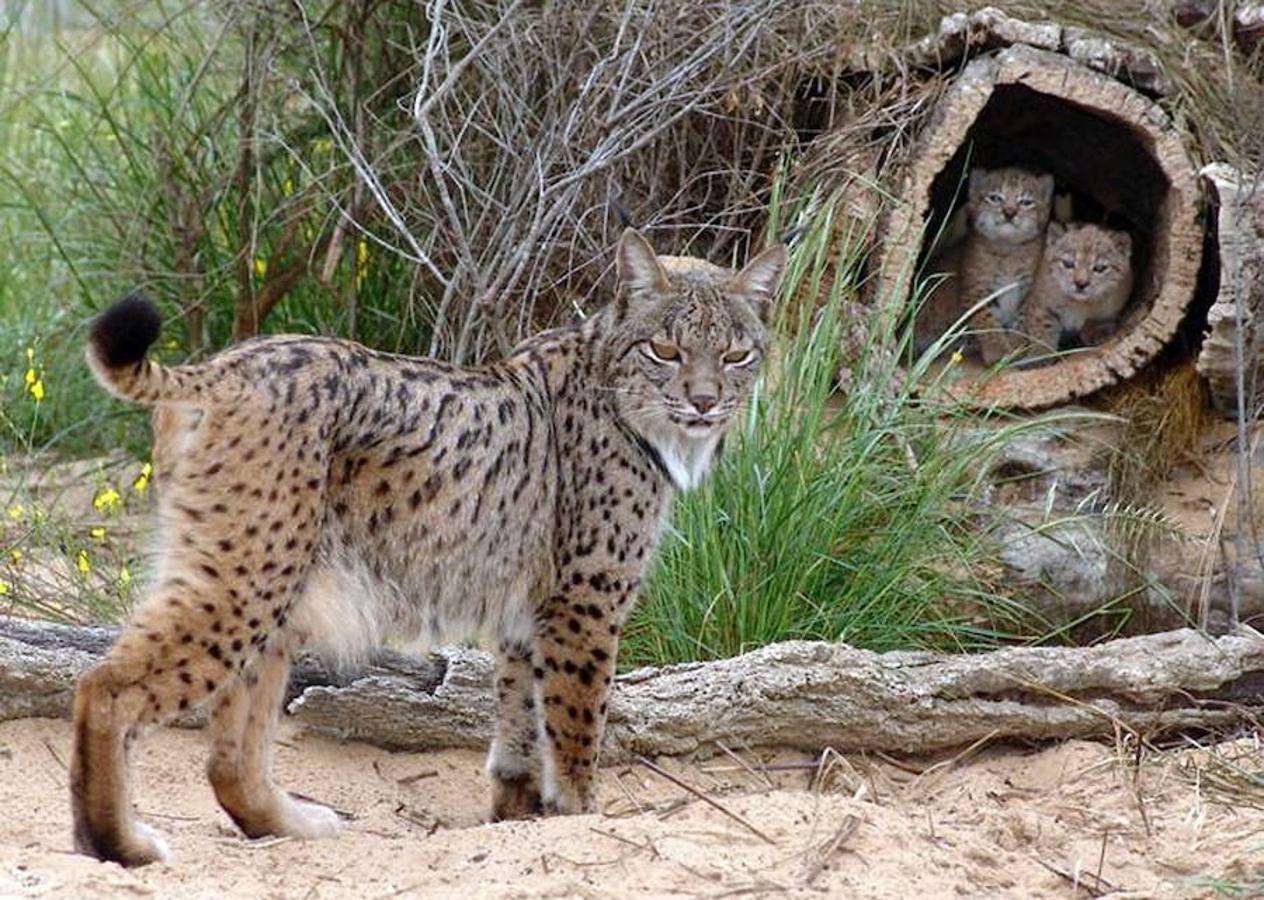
<point x="1000" y="822"/>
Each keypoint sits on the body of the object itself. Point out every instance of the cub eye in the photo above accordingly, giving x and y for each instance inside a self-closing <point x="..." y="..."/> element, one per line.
<point x="1067" y="263"/>
<point x="994" y="198"/>
<point x="663" y="352"/>
<point x="1100" y="267"/>
<point x="737" y="357"/>
<point x="1026" y="203"/>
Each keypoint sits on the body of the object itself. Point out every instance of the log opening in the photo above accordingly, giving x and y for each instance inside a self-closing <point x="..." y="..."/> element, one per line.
<point x="1116" y="158"/>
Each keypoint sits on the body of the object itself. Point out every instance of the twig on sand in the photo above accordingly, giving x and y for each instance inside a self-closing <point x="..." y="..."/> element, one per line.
<point x="658" y="770"/>
<point x="946" y="765"/>
<point x="647" y="846"/>
<point x="745" y="765"/>
<point x="265" y="843"/>
<point x="637" y="806"/>
<point x="820" y="858"/>
<point x="55" y="755"/>
<point x="418" y="776"/>
<point x="1093" y="885"/>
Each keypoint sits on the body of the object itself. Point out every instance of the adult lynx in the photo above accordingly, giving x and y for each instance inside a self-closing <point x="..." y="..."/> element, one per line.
<point x="324" y="494"/>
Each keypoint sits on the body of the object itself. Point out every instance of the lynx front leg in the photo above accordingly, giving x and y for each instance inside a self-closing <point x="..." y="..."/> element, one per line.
<point x="574" y="665"/>
<point x="996" y="340"/>
<point x="513" y="763"/>
<point x="1043" y="329"/>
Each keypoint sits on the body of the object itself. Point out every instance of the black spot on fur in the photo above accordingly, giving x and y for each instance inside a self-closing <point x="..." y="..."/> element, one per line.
<point x="121" y="335"/>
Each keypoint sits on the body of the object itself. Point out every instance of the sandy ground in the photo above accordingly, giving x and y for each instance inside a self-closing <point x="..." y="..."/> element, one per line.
<point x="1002" y="822"/>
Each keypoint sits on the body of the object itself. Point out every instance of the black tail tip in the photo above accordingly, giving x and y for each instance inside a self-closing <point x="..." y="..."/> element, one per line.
<point x="121" y="335"/>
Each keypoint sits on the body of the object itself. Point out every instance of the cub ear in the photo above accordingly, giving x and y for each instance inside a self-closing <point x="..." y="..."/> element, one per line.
<point x="758" y="280"/>
<point x="977" y="175"/>
<point x="637" y="264"/>
<point x="1045" y="185"/>
<point x="1123" y="240"/>
<point x="1054" y="232"/>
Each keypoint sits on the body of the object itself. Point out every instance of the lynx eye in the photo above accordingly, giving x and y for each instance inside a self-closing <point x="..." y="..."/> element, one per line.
<point x="737" y="357"/>
<point x="995" y="198"/>
<point x="1067" y="263"/>
<point x="1100" y="267"/>
<point x="1026" y="203"/>
<point x="662" y="351"/>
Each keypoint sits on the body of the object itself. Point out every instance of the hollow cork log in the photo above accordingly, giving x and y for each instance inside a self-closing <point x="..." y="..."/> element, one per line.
<point x="1103" y="140"/>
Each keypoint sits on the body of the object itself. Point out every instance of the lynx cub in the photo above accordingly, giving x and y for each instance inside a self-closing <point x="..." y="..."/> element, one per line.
<point x="320" y="493"/>
<point x="1008" y="210"/>
<point x="1085" y="277"/>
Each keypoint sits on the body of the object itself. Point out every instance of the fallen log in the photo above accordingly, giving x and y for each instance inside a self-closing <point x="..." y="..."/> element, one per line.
<point x="799" y="694"/>
<point x="39" y="662"/>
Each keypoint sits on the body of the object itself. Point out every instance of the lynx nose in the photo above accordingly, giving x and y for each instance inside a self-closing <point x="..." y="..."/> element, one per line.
<point x="1081" y="282"/>
<point x="1009" y="212"/>
<point x="703" y="403"/>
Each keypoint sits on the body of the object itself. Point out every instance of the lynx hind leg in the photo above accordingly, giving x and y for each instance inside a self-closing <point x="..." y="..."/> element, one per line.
<point x="513" y="763"/>
<point x="243" y="722"/>
<point x="166" y="662"/>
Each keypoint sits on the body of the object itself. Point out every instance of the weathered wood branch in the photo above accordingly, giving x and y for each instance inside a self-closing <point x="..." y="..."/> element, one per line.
<point x="803" y="695"/>
<point x="1234" y="337"/>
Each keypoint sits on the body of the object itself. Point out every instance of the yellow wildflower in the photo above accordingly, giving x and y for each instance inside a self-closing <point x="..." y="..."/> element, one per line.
<point x="31" y="376"/>
<point x="322" y="145"/>
<point x="107" y="500"/>
<point x="37" y="391"/>
<point x="16" y="512"/>
<point x="30" y="354"/>
<point x="125" y="577"/>
<point x="4" y="588"/>
<point x="261" y="267"/>
<point x="957" y="357"/>
<point x="82" y="563"/>
<point x="288" y="187"/>
<point x="98" y="533"/>
<point x="141" y="484"/>
<point x="16" y="555"/>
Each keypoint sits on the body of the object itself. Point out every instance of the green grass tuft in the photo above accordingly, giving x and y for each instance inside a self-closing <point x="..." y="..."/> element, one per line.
<point x="851" y="518"/>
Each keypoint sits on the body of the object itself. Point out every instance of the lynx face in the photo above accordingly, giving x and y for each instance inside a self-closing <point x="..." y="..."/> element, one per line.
<point x="1087" y="262"/>
<point x="690" y="346"/>
<point x="1010" y="205"/>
